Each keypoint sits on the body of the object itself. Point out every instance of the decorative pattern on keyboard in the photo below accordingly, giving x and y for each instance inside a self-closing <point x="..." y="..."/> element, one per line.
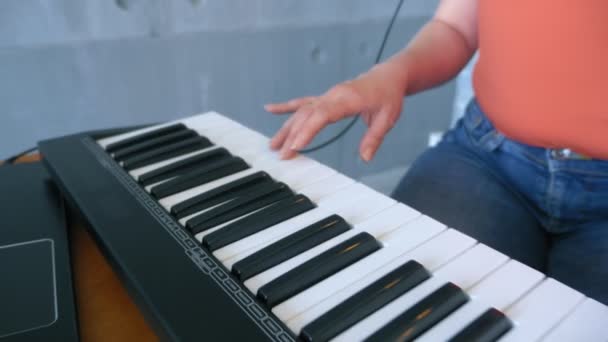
<point x="193" y="249"/>
<point x="329" y="257"/>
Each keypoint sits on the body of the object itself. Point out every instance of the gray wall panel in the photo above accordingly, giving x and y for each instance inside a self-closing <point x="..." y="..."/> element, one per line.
<point x="67" y="66"/>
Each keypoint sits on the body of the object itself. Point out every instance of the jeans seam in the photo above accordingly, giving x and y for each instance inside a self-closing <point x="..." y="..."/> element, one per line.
<point x="549" y="200"/>
<point x="584" y="172"/>
<point x="528" y="156"/>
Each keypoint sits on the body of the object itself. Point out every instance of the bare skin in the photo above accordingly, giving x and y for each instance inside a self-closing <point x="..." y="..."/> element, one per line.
<point x="435" y="55"/>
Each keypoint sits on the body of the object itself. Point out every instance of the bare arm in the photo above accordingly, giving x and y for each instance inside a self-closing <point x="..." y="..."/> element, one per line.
<point x="440" y="49"/>
<point x="435" y="55"/>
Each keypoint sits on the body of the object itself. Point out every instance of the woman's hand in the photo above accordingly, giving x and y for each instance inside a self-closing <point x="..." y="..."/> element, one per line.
<point x="376" y="95"/>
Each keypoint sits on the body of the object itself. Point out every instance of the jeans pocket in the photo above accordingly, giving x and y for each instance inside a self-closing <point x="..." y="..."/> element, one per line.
<point x="589" y="200"/>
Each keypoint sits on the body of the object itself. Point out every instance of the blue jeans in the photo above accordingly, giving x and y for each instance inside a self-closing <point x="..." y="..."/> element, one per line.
<point x="542" y="207"/>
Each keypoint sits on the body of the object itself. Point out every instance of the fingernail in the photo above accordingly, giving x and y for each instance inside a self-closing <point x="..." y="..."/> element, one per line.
<point x="367" y="154"/>
<point x="296" y="144"/>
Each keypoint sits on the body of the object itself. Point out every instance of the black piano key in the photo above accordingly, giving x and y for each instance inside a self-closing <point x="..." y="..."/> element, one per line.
<point x="150" y="144"/>
<point x="220" y="169"/>
<point x="488" y="327"/>
<point x="183" y="166"/>
<point x="220" y="194"/>
<point x="165" y="152"/>
<point x="144" y="136"/>
<point x="260" y="220"/>
<point x="318" y="268"/>
<point x="365" y="302"/>
<point x="254" y="200"/>
<point x="423" y="315"/>
<point x="290" y="246"/>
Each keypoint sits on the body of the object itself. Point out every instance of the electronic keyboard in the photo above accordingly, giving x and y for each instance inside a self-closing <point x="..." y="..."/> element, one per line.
<point x="216" y="238"/>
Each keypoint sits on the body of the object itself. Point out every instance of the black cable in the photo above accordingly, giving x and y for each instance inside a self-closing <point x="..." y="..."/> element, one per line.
<point x="378" y="57"/>
<point x="13" y="159"/>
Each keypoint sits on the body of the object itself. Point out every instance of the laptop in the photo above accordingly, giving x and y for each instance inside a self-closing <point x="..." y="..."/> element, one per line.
<point x="36" y="294"/>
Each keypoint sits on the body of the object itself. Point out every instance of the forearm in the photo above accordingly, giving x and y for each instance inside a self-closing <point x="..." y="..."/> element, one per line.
<point x="435" y="55"/>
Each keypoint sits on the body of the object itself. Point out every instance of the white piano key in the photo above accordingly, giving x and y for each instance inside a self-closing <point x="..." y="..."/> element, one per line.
<point x="172" y="200"/>
<point x="340" y="204"/>
<point x="238" y="138"/>
<point x="371" y="205"/>
<point x="309" y="176"/>
<point x="588" y="322"/>
<point x="262" y="164"/>
<point x="541" y="309"/>
<point x="247" y="140"/>
<point x="224" y="132"/>
<point x="210" y="118"/>
<point x="238" y="250"/>
<point x="266" y="164"/>
<point x="489" y="292"/>
<point x="202" y="234"/>
<point x="297" y="179"/>
<point x="353" y="204"/>
<point x="252" y="155"/>
<point x="229" y="134"/>
<point x="481" y="260"/>
<point x="432" y="254"/>
<point x="135" y="173"/>
<point x="219" y="133"/>
<point x="381" y="317"/>
<point x="304" y="218"/>
<point x="485" y="260"/>
<point x="262" y="161"/>
<point x="353" y="193"/>
<point x="499" y="290"/>
<point x="395" y="243"/>
<point x="116" y="138"/>
<point x="206" y="124"/>
<point x="458" y="270"/>
<point x="185" y="219"/>
<point x="377" y="225"/>
<point x="256" y="157"/>
<point x="270" y="160"/>
<point x="455" y="322"/>
<point x="243" y="140"/>
<point x="326" y="187"/>
<point x="519" y="277"/>
<point x="148" y="188"/>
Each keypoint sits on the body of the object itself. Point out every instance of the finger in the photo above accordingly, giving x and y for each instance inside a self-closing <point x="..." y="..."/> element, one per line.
<point x="380" y="125"/>
<point x="309" y="129"/>
<point x="279" y="138"/>
<point x="287" y="152"/>
<point x="366" y="118"/>
<point x="289" y="106"/>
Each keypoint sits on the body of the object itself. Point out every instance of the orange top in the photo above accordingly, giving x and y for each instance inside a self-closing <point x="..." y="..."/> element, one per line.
<point x="542" y="73"/>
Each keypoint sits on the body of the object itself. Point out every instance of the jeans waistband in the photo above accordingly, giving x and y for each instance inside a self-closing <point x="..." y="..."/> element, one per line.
<point x="478" y="119"/>
<point x="566" y="153"/>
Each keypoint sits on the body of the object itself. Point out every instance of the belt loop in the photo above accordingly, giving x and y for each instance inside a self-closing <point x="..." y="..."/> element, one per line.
<point x="492" y="140"/>
<point x="473" y="115"/>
